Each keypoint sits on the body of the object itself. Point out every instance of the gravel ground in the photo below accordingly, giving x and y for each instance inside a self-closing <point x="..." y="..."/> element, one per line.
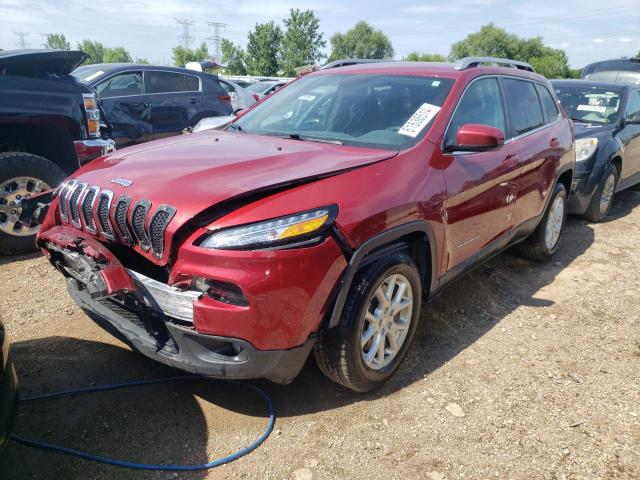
<point x="520" y="370"/>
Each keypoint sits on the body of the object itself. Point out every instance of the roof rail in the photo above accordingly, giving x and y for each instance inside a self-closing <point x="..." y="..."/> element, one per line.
<point x="345" y="62"/>
<point x="471" y="62"/>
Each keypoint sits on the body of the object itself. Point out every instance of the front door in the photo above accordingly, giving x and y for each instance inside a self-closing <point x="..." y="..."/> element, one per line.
<point x="630" y="137"/>
<point x="480" y="185"/>
<point x="127" y="108"/>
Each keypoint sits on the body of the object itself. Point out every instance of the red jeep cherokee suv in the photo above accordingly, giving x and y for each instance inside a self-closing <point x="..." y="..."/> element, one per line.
<point x="320" y="219"/>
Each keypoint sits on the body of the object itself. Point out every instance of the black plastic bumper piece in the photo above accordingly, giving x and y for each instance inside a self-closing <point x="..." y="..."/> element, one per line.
<point x="184" y="348"/>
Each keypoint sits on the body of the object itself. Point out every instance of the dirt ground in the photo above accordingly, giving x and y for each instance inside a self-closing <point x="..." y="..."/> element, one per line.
<point x="518" y="371"/>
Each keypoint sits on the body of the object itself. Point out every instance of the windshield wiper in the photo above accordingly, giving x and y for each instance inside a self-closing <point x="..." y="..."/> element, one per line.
<point x="297" y="136"/>
<point x="580" y="120"/>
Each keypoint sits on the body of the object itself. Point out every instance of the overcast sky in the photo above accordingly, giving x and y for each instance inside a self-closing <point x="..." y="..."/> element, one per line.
<point x="588" y="30"/>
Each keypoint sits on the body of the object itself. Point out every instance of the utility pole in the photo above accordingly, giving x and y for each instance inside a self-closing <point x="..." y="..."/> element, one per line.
<point x="186" y="24"/>
<point x="22" y="42"/>
<point x="216" y="38"/>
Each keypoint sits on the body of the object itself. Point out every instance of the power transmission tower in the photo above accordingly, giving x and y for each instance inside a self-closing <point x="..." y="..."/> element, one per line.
<point x="44" y="38"/>
<point x="185" y="38"/>
<point x="22" y="42"/>
<point x="216" y="38"/>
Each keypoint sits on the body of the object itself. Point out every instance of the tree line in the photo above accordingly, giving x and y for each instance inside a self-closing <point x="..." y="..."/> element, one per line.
<point x="273" y="49"/>
<point x="96" y="51"/>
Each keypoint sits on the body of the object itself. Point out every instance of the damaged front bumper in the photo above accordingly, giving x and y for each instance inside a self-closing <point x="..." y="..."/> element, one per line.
<point x="157" y="319"/>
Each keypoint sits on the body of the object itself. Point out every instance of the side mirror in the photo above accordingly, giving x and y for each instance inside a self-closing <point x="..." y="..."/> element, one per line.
<point x="474" y="137"/>
<point x="632" y="119"/>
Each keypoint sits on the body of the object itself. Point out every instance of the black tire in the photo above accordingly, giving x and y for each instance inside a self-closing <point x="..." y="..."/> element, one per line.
<point x="594" y="212"/>
<point x="535" y="247"/>
<point x="338" y="351"/>
<point x="19" y="164"/>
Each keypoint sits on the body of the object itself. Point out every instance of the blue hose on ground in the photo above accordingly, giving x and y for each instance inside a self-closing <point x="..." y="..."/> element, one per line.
<point x="145" y="466"/>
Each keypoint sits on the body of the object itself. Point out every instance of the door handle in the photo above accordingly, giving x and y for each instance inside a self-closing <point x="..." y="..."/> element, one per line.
<point x="193" y="100"/>
<point x="554" y="142"/>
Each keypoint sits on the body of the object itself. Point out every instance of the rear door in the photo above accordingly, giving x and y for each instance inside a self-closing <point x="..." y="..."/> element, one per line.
<point x="480" y="185"/>
<point x="537" y="138"/>
<point x="127" y="107"/>
<point x="175" y="100"/>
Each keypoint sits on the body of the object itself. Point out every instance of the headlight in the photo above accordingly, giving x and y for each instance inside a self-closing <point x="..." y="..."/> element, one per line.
<point x="585" y="148"/>
<point x="302" y="226"/>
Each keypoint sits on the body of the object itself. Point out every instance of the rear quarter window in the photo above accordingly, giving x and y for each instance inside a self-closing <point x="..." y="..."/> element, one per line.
<point x="549" y="106"/>
<point x="525" y="110"/>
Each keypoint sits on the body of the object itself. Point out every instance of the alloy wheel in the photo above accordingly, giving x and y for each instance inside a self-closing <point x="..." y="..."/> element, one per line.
<point x="555" y="220"/>
<point x="387" y="321"/>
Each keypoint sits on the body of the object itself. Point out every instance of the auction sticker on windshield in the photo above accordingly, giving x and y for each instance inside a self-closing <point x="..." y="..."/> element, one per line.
<point x="419" y="120"/>
<point x="592" y="108"/>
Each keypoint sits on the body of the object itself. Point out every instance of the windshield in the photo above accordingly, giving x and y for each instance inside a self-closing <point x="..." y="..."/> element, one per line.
<point x="589" y="104"/>
<point x="259" y="87"/>
<point x="379" y="111"/>
<point x="87" y="74"/>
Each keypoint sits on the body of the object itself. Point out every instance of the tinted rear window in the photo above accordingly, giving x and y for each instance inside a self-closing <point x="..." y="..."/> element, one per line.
<point x="169" y="82"/>
<point x="525" y="111"/>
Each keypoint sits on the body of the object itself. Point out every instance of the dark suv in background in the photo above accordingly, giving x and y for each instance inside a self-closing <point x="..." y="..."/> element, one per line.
<point x="50" y="124"/>
<point x="606" y="119"/>
<point x="147" y="102"/>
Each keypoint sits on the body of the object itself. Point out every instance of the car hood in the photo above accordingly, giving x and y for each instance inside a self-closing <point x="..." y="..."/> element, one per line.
<point x="37" y="63"/>
<point x="195" y="172"/>
<point x="584" y="130"/>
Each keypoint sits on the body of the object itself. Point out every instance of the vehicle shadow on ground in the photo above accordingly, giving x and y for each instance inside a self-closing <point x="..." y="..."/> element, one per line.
<point x="160" y="424"/>
<point x="6" y="259"/>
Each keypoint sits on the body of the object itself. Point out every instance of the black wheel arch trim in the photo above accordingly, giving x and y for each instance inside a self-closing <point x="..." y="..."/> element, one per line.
<point x="385" y="238"/>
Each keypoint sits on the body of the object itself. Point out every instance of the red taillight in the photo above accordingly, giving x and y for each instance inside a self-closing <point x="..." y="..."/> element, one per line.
<point x="256" y="97"/>
<point x="224" y="98"/>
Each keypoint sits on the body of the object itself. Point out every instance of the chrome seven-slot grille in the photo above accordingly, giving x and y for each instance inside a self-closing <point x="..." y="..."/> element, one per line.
<point x="130" y="221"/>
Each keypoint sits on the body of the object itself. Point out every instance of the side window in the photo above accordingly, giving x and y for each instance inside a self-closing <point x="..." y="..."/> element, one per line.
<point x="121" y="85"/>
<point x="481" y="103"/>
<point x="633" y="106"/>
<point x="549" y="106"/>
<point x="166" y="82"/>
<point x="525" y="111"/>
<point x="193" y="83"/>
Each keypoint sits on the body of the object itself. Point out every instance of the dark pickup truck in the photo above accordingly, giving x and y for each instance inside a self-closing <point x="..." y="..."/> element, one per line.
<point x="50" y="125"/>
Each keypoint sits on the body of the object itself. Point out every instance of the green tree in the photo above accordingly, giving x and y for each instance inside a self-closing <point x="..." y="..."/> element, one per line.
<point x="57" y="41"/>
<point x="493" y="41"/>
<point x="232" y="58"/>
<point x="142" y="60"/>
<point x="183" y="55"/>
<point x="302" y="41"/>
<point x="116" y="55"/>
<point x="95" y="50"/>
<point x="262" y="49"/>
<point x="424" y="57"/>
<point x="362" y="41"/>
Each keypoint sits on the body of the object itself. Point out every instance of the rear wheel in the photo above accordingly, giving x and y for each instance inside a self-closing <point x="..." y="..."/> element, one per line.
<point x="22" y="175"/>
<point x="377" y="325"/>
<point x="545" y="240"/>
<point x="603" y="197"/>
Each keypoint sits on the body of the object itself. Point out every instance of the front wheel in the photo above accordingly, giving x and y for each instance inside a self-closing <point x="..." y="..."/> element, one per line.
<point x="603" y="197"/>
<point x="545" y="239"/>
<point x="377" y="325"/>
<point x="22" y="175"/>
